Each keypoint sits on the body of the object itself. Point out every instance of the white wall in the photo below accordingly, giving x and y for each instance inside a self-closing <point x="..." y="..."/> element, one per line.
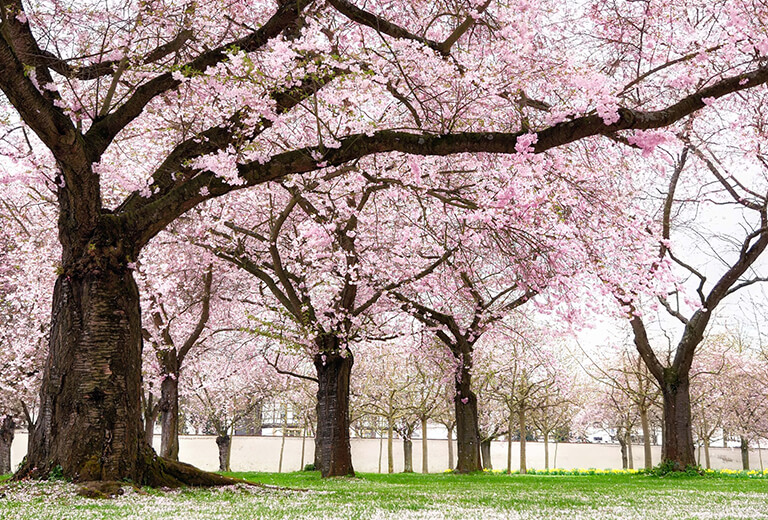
<point x="263" y="454"/>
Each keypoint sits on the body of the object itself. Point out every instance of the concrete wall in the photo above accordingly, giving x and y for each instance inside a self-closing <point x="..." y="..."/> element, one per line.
<point x="263" y="454"/>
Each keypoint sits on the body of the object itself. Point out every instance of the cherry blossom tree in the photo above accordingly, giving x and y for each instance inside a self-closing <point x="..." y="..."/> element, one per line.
<point x="145" y="110"/>
<point x="736" y="256"/>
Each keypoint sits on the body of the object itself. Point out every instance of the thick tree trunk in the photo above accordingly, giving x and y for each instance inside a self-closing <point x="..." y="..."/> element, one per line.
<point x="424" y="447"/>
<point x="224" y="442"/>
<point x="646" y="427"/>
<point x="333" y="366"/>
<point x="7" y="431"/>
<point x="485" y="452"/>
<point x="169" y="417"/>
<point x="90" y="409"/>
<point x="90" y="420"/>
<point x="677" y="447"/>
<point x="744" y="453"/>
<point x="450" y="447"/>
<point x="407" y="455"/>
<point x="467" y="431"/>
<point x="521" y="422"/>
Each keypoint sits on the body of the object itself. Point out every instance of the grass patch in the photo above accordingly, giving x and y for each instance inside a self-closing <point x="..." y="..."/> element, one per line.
<point x="491" y="496"/>
<point x="3" y="478"/>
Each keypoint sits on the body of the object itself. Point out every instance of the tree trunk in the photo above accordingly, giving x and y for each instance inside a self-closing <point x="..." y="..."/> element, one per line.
<point x="644" y="424"/>
<point x="303" y="444"/>
<point x="450" y="448"/>
<point x="90" y="420"/>
<point x="169" y="417"/>
<point x="7" y="431"/>
<point x="630" y="455"/>
<point x="407" y="455"/>
<point x="706" y="454"/>
<point x="521" y="422"/>
<point x="151" y="410"/>
<point x="510" y="424"/>
<point x="333" y="366"/>
<point x="485" y="452"/>
<point x="546" y="450"/>
<point x="744" y="453"/>
<point x="90" y="406"/>
<point x="224" y="442"/>
<point x="623" y="445"/>
<point x="677" y="447"/>
<point x="467" y="431"/>
<point x="390" y="447"/>
<point x="424" y="447"/>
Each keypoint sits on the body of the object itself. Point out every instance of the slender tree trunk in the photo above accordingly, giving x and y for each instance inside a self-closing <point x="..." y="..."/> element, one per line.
<point x="282" y="440"/>
<point x="706" y="454"/>
<point x="390" y="446"/>
<point x="332" y="446"/>
<point x="450" y="448"/>
<point x="546" y="450"/>
<point x="744" y="453"/>
<point x="521" y="422"/>
<point x="485" y="452"/>
<point x="677" y="447"/>
<point x="644" y="424"/>
<point x="169" y="416"/>
<point x="623" y="445"/>
<point x="7" y="431"/>
<point x="467" y="431"/>
<point x="407" y="454"/>
<point x="224" y="442"/>
<point x="303" y="444"/>
<point x="381" y="449"/>
<point x="150" y="417"/>
<point x="424" y="446"/>
<point x="630" y="455"/>
<point x="510" y="424"/>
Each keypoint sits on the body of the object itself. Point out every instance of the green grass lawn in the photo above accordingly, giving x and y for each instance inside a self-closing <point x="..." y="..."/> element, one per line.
<point x="373" y="496"/>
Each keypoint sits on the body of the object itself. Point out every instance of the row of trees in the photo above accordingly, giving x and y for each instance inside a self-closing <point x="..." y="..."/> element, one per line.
<point x="437" y="160"/>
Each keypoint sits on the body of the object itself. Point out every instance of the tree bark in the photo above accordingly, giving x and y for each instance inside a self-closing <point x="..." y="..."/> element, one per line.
<point x="407" y="455"/>
<point x="546" y="450"/>
<point x="744" y="453"/>
<point x="630" y="455"/>
<point x="467" y="431"/>
<point x="169" y="416"/>
<point x="424" y="446"/>
<point x="224" y="442"/>
<point x="510" y="427"/>
<point x="521" y="422"/>
<point x="706" y="454"/>
<point x="450" y="447"/>
<point x="90" y="410"/>
<point x="644" y="424"/>
<point x="7" y="432"/>
<point x="333" y="366"/>
<point x="151" y="410"/>
<point x="678" y="446"/>
<point x="485" y="452"/>
<point x="623" y="445"/>
<point x="390" y="447"/>
<point x="90" y="420"/>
